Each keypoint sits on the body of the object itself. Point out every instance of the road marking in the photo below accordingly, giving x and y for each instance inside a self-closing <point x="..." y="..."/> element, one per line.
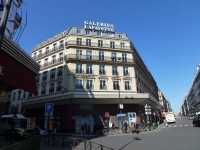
<point x="174" y="126"/>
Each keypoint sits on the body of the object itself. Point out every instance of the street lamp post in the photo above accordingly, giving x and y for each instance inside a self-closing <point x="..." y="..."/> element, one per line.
<point x="120" y="105"/>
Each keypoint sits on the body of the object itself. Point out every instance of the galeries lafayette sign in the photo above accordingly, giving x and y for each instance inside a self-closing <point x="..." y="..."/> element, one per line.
<point x="99" y="26"/>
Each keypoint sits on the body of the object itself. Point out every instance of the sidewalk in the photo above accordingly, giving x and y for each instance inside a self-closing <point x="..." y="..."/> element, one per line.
<point x="62" y="141"/>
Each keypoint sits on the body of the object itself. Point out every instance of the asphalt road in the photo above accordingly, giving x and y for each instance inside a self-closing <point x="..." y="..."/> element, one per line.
<point x="179" y="136"/>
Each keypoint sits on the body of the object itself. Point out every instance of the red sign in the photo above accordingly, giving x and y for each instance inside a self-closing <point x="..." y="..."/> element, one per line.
<point x="107" y="114"/>
<point x="15" y="75"/>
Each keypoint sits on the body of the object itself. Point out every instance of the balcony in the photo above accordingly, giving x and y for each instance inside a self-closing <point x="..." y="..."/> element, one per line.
<point x="88" y="87"/>
<point x="52" y="63"/>
<point x="126" y="74"/>
<point x="49" y="52"/>
<point x="74" y="43"/>
<point x="95" y="58"/>
<point x="103" y="87"/>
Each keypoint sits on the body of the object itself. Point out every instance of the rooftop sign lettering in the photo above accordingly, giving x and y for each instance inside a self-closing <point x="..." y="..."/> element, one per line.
<point x="99" y="26"/>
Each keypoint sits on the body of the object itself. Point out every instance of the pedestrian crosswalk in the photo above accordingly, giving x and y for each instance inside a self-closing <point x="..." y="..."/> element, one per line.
<point x="175" y="126"/>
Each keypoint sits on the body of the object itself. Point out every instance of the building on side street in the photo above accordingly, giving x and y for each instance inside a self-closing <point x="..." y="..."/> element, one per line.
<point x="86" y="73"/>
<point x="164" y="102"/>
<point x="193" y="96"/>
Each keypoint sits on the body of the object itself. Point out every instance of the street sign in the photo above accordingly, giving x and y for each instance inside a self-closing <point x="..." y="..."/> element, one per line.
<point x="49" y="107"/>
<point x="148" y="107"/>
<point x="148" y="113"/>
<point x="147" y="110"/>
<point x="121" y="115"/>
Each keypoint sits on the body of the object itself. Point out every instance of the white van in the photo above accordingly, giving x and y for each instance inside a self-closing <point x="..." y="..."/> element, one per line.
<point x="170" y="118"/>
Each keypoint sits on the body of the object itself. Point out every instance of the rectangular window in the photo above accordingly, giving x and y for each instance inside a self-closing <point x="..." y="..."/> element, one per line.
<point x="101" y="55"/>
<point x="46" y="62"/>
<point x="100" y="43"/>
<point x="40" y="53"/>
<point x="78" y="31"/>
<point x="55" y="47"/>
<point x="89" y="55"/>
<point x="122" y="45"/>
<point x="60" y="57"/>
<point x="59" y="86"/>
<point x="59" y="71"/>
<point x="124" y="57"/>
<point x="44" y="76"/>
<point x="79" y="41"/>
<point x="127" y="85"/>
<point x="88" y="69"/>
<point x="88" y="42"/>
<point x="114" y="70"/>
<point x="98" y="32"/>
<point x="112" y="44"/>
<point x="79" y="54"/>
<point x="78" y="84"/>
<point x="38" y="78"/>
<point x="89" y="84"/>
<point x="87" y="31"/>
<point x="14" y="94"/>
<point x="114" y="56"/>
<point x="47" y="50"/>
<point x="120" y="36"/>
<point x="43" y="91"/>
<point x="61" y="44"/>
<point x="52" y="75"/>
<point x="102" y="70"/>
<point x="53" y="59"/>
<point x="78" y="68"/>
<point x="102" y="85"/>
<point x="51" y="88"/>
<point x="115" y="85"/>
<point x="125" y="71"/>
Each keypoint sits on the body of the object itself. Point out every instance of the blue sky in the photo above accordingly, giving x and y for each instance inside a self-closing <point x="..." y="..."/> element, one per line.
<point x="166" y="33"/>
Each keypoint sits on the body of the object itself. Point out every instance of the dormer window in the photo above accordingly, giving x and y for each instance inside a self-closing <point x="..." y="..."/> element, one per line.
<point x="78" y="31"/>
<point x="120" y="36"/>
<point x="87" y="31"/>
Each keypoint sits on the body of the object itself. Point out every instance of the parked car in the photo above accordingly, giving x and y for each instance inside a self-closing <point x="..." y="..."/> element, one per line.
<point x="40" y="131"/>
<point x="196" y="121"/>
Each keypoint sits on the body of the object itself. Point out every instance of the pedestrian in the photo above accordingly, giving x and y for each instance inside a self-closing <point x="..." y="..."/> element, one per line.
<point x="125" y="126"/>
<point x="137" y="128"/>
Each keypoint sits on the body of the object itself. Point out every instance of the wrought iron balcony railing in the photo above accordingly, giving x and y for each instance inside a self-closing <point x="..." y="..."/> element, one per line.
<point x="95" y="44"/>
<point x="49" y="51"/>
<point x="96" y="58"/>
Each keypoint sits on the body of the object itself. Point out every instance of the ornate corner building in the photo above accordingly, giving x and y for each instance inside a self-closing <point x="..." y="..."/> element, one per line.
<point x="85" y="72"/>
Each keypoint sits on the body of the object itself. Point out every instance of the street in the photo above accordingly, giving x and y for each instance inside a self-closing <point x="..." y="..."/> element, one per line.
<point x="179" y="136"/>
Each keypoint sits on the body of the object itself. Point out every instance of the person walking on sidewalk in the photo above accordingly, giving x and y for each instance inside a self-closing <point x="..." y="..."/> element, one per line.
<point x="125" y="126"/>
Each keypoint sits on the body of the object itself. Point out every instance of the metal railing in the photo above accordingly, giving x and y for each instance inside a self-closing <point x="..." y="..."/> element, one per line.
<point x="96" y="58"/>
<point x="95" y="44"/>
<point x="49" y="51"/>
<point x="74" y="143"/>
<point x="32" y="143"/>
